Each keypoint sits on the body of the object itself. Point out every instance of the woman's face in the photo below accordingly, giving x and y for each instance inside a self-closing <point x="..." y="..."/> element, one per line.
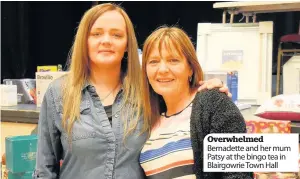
<point x="168" y="75"/>
<point x="107" y="40"/>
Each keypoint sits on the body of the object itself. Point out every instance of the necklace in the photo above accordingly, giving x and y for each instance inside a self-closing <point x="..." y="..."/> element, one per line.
<point x="165" y="114"/>
<point x="109" y="93"/>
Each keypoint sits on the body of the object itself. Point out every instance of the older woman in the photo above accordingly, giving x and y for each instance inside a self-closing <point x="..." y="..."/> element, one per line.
<point x="178" y="116"/>
<point x="86" y="115"/>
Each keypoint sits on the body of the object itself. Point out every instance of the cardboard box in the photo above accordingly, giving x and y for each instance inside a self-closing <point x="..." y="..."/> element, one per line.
<point x="9" y="95"/>
<point x="43" y="79"/>
<point x="22" y="175"/>
<point x="21" y="153"/>
<point x="26" y="90"/>
<point x="46" y="68"/>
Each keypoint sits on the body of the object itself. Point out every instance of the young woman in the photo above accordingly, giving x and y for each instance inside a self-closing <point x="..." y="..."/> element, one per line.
<point x="92" y="117"/>
<point x="180" y="117"/>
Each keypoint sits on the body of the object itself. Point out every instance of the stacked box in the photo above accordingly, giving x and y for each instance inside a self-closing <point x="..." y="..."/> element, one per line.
<point x="21" y="153"/>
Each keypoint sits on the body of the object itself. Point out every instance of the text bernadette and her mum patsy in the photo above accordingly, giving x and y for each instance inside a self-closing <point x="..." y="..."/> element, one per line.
<point x="242" y="152"/>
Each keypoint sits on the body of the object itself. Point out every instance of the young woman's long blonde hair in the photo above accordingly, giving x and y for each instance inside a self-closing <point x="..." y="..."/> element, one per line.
<point x="79" y="72"/>
<point x="170" y="37"/>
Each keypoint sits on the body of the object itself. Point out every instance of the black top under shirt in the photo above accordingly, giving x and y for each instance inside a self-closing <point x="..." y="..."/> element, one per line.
<point x="108" y="110"/>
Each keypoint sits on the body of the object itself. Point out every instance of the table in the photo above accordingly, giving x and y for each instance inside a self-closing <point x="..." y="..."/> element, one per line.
<point x="23" y="119"/>
<point x="22" y="113"/>
<point x="253" y="8"/>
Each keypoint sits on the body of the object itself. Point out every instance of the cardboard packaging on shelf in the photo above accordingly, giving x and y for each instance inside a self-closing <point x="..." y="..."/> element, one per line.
<point x="43" y="79"/>
<point x="9" y="95"/>
<point x="22" y="175"/>
<point x="25" y="89"/>
<point x="21" y="153"/>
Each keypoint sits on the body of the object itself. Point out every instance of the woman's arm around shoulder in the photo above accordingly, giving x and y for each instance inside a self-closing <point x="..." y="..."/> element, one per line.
<point x="221" y="115"/>
<point x="225" y="117"/>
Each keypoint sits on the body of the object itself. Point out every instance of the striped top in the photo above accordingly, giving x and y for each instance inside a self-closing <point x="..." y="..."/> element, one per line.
<point x="168" y="152"/>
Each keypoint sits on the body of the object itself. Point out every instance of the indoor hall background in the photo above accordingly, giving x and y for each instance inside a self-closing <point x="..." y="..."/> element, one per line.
<point x="42" y="33"/>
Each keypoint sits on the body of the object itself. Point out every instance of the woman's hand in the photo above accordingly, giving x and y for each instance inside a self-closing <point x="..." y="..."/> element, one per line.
<point x="214" y="83"/>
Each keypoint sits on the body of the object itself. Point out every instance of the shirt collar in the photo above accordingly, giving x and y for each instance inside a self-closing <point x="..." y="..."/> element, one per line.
<point x="87" y="84"/>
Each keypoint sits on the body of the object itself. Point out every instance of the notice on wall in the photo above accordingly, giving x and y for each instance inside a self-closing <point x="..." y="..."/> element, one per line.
<point x="232" y="59"/>
<point x="251" y="153"/>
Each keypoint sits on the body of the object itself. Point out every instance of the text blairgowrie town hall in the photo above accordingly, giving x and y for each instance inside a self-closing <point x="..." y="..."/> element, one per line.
<point x="235" y="139"/>
<point x="251" y="153"/>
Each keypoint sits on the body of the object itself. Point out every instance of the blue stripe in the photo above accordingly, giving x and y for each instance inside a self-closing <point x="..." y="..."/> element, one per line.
<point x="168" y="148"/>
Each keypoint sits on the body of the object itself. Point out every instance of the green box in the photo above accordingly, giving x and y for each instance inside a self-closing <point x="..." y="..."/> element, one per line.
<point x="21" y="175"/>
<point x="20" y="153"/>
